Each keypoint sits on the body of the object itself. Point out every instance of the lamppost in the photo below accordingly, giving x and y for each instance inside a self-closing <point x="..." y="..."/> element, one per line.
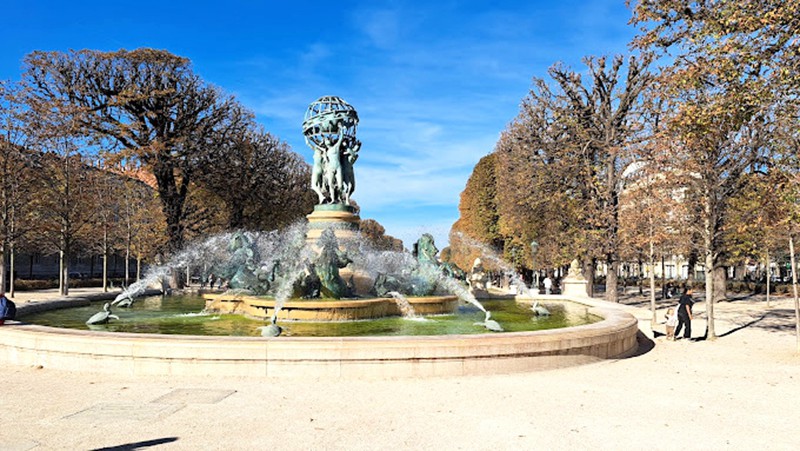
<point x="534" y="250"/>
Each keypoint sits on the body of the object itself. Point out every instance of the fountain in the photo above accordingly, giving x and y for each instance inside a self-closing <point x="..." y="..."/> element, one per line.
<point x="477" y="273"/>
<point x="330" y="264"/>
<point x="406" y="309"/>
<point x="320" y="273"/>
<point x="317" y="287"/>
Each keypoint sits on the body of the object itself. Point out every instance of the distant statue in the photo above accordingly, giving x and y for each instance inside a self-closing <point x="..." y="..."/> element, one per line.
<point x="490" y="324"/>
<point x="574" y="284"/>
<point x="330" y="130"/>
<point x="477" y="276"/>
<point x="477" y="279"/>
<point x="575" y="270"/>
<point x="271" y="330"/>
<point x="426" y="277"/>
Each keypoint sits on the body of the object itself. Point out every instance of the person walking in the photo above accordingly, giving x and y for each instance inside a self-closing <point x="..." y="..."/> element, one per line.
<point x="548" y="284"/>
<point x="685" y="314"/>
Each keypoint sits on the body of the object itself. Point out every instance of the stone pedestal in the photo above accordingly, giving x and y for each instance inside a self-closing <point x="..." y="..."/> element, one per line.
<point x="339" y="217"/>
<point x="344" y="223"/>
<point x="575" y="287"/>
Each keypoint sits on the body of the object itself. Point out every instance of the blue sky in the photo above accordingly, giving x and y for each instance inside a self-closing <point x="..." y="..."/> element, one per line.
<point x="434" y="82"/>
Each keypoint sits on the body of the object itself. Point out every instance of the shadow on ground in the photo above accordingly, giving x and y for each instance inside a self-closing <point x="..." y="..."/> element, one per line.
<point x="139" y="445"/>
<point x="772" y="321"/>
<point x="645" y="345"/>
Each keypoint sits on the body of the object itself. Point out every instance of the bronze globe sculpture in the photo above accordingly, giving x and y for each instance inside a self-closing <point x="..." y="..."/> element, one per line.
<point x="329" y="128"/>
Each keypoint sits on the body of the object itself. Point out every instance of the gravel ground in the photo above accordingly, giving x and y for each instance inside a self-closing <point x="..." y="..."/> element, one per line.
<point x="740" y="391"/>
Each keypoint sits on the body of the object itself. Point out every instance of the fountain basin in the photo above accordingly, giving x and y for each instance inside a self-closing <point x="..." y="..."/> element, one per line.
<point x="329" y="357"/>
<point x="326" y="310"/>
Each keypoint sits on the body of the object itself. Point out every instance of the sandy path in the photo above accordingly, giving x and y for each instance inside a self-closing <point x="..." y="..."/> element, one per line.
<point x="741" y="391"/>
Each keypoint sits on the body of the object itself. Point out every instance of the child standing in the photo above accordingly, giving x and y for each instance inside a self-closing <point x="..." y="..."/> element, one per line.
<point x="672" y="321"/>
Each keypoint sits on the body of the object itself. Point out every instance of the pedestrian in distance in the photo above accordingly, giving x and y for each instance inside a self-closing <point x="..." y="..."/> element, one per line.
<point x="548" y="285"/>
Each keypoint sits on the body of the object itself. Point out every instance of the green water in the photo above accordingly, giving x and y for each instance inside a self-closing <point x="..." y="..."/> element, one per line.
<point x="182" y="315"/>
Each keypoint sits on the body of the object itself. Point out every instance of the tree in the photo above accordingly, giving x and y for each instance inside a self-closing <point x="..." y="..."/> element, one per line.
<point x="64" y="207"/>
<point x="375" y="234"/>
<point x="479" y="218"/>
<point x="787" y="142"/>
<point x="261" y="183"/>
<point x="145" y="105"/>
<point x="17" y="182"/>
<point x="141" y="221"/>
<point x="564" y="155"/>
<point x="651" y="216"/>
<point x="731" y="39"/>
<point x="757" y="229"/>
<point x="736" y="63"/>
<point x="105" y="234"/>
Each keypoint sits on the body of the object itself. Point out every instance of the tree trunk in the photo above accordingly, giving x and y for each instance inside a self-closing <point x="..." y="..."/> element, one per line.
<point x="63" y="279"/>
<point x="720" y="286"/>
<point x="794" y="292"/>
<point x="138" y="267"/>
<point x="709" y="276"/>
<point x="663" y="278"/>
<point x="105" y="260"/>
<point x="172" y="199"/>
<point x="768" y="277"/>
<point x="588" y="274"/>
<point x="128" y="259"/>
<point x="11" y="270"/>
<point x="2" y="267"/>
<point x="691" y="266"/>
<point x="652" y="283"/>
<point x="174" y="278"/>
<point x="641" y="275"/>
<point x="611" y="279"/>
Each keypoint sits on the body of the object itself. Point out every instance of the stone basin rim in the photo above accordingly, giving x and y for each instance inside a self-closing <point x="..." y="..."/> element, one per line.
<point x="615" y="336"/>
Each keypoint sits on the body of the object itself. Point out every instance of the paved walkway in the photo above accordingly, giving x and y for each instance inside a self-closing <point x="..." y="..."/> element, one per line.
<point x="22" y="297"/>
<point x="738" y="392"/>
